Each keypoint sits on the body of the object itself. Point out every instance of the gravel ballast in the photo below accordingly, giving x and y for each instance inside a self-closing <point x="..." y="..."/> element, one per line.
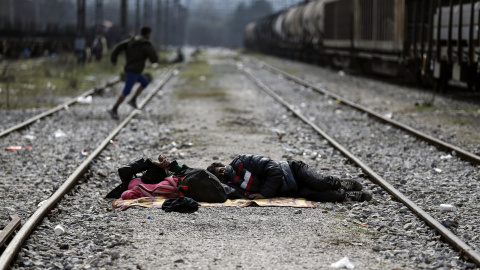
<point x="239" y="118"/>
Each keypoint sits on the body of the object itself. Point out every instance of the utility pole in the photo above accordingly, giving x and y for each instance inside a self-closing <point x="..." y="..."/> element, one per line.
<point x="99" y="13"/>
<point x="37" y="16"/>
<point x="123" y="18"/>
<point x="158" y="22"/>
<point x="80" y="40"/>
<point x="176" y="22"/>
<point x="182" y="26"/>
<point x="146" y="12"/>
<point x="80" y="18"/>
<point x="12" y="14"/>
<point x="137" y="17"/>
<point x="167" y="25"/>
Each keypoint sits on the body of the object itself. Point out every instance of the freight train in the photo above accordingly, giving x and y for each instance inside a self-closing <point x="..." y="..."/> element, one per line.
<point x="434" y="42"/>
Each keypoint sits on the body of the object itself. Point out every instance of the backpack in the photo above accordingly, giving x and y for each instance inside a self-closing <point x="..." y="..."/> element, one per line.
<point x="202" y="186"/>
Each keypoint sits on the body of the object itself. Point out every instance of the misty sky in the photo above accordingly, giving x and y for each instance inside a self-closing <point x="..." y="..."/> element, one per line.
<point x="230" y="5"/>
<point x="211" y="18"/>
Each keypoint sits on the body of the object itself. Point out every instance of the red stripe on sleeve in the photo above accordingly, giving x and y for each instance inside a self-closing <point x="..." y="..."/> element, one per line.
<point x="249" y="182"/>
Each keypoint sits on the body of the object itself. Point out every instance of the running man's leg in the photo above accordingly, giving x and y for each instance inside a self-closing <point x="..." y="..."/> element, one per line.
<point x="142" y="79"/>
<point x="130" y="80"/>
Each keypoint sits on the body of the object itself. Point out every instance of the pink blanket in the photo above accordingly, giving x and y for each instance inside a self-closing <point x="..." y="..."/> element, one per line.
<point x="166" y="188"/>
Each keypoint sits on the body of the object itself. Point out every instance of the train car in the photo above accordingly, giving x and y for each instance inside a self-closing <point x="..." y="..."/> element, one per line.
<point x="313" y="23"/>
<point x="457" y="43"/>
<point x="249" y="36"/>
<point x="365" y="33"/>
<point x="430" y="41"/>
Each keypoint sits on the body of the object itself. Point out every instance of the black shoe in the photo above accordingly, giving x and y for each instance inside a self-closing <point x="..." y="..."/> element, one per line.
<point x="129" y="171"/>
<point x="113" y="114"/>
<point x="116" y="193"/>
<point x="133" y="103"/>
<point x="350" y="185"/>
<point x="359" y="196"/>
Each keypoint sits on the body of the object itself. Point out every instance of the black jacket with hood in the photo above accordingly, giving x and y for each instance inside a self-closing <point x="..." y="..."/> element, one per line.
<point x="259" y="174"/>
<point x="137" y="50"/>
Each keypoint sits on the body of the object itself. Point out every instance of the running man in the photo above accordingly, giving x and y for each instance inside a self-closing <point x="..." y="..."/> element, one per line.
<point x="137" y="50"/>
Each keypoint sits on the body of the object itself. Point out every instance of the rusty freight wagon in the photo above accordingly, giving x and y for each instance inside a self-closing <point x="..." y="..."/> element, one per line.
<point x="430" y="41"/>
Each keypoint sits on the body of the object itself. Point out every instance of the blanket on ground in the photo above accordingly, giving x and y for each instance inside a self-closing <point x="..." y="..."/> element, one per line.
<point x="156" y="202"/>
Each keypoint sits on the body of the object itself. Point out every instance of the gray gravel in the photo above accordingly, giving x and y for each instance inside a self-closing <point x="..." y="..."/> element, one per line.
<point x="381" y="234"/>
<point x="448" y="118"/>
<point x="52" y="148"/>
<point x="13" y="117"/>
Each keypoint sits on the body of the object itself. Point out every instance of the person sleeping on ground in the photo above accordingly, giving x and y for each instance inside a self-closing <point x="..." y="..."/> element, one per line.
<point x="246" y="176"/>
<point x="262" y="177"/>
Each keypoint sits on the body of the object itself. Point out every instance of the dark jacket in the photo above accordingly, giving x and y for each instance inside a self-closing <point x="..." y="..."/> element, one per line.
<point x="258" y="174"/>
<point x="137" y="50"/>
<point x="151" y="174"/>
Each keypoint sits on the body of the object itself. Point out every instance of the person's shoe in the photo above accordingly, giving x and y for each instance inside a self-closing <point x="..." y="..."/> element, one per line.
<point x="359" y="196"/>
<point x="133" y="103"/>
<point x="350" y="185"/>
<point x="113" y="114"/>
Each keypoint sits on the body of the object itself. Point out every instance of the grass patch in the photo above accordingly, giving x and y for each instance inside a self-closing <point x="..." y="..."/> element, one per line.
<point x="470" y="109"/>
<point x="40" y="82"/>
<point x="200" y="93"/>
<point x="267" y="58"/>
<point x="254" y="54"/>
<point x="195" y="70"/>
<point x="365" y="231"/>
<point x="196" y="82"/>
<point x="235" y="110"/>
<point x="458" y="121"/>
<point x="424" y="106"/>
<point x="291" y="70"/>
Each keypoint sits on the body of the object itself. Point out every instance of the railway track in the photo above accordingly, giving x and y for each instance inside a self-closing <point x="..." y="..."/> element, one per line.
<point x="32" y="189"/>
<point x="104" y="222"/>
<point x="65" y="105"/>
<point x="464" y="154"/>
<point x="307" y="102"/>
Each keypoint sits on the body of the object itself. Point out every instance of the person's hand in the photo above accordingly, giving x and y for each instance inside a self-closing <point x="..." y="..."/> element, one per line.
<point x="162" y="162"/>
<point x="256" y="196"/>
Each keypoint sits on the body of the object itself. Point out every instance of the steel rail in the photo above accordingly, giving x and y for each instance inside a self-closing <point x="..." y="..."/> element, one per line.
<point x="374" y="177"/>
<point x="464" y="154"/>
<point x="36" y="218"/>
<point x="11" y="227"/>
<point x="29" y="121"/>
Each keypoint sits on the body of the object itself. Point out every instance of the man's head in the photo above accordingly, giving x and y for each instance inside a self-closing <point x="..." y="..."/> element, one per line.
<point x="218" y="169"/>
<point x="146" y="31"/>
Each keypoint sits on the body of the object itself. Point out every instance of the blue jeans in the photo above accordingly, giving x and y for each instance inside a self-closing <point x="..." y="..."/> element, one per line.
<point x="131" y="79"/>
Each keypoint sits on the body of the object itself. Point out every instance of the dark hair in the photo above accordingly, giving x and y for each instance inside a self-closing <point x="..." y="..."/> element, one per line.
<point x="212" y="167"/>
<point x="145" y="30"/>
